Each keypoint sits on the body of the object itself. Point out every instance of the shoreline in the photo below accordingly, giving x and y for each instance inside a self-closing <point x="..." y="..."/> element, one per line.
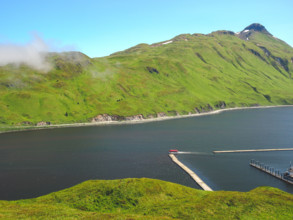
<point x="125" y="122"/>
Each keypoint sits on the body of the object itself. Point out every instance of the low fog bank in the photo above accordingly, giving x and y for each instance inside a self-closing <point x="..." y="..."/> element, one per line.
<point x="32" y="54"/>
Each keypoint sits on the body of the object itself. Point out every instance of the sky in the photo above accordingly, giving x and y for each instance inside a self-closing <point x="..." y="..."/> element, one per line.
<point x="101" y="27"/>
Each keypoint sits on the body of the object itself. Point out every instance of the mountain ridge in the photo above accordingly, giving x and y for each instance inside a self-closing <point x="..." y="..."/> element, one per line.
<point x="244" y="34"/>
<point x="189" y="73"/>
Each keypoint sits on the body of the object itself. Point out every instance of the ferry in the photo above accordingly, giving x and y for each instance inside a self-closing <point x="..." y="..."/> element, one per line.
<point x="173" y="151"/>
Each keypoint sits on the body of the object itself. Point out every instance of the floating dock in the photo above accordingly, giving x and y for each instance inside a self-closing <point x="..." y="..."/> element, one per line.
<point x="195" y="177"/>
<point x="270" y="170"/>
<point x="252" y="150"/>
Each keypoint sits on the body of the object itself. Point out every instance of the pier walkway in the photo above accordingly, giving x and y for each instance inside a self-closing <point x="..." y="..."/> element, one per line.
<point x="252" y="150"/>
<point x="195" y="177"/>
<point x="270" y="170"/>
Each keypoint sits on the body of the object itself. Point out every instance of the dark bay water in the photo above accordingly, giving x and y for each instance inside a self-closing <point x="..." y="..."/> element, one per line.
<point x="34" y="163"/>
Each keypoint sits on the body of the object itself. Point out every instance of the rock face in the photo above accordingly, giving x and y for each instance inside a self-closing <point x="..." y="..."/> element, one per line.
<point x="203" y="109"/>
<point x="265" y="50"/>
<point x="134" y="118"/>
<point x="101" y="118"/>
<point x="25" y="123"/>
<point x="257" y="27"/>
<point x="221" y="105"/>
<point x="106" y="117"/>
<point x="161" y="114"/>
<point x="245" y="34"/>
<point x="207" y="108"/>
<point x="281" y="61"/>
<point x="257" y="54"/>
<point x="43" y="123"/>
<point x="196" y="110"/>
<point x="139" y="117"/>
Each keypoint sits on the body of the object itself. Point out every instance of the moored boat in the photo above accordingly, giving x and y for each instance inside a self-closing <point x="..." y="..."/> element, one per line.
<point x="288" y="175"/>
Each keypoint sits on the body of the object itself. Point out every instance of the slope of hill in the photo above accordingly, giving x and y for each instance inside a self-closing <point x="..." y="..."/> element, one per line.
<point x="189" y="73"/>
<point x="150" y="199"/>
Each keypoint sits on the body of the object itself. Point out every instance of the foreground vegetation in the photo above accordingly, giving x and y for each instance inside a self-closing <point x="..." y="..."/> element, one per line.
<point x="150" y="199"/>
<point x="192" y="73"/>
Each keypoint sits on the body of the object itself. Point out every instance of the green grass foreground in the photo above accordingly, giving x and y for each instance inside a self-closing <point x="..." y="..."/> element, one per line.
<point x="150" y="199"/>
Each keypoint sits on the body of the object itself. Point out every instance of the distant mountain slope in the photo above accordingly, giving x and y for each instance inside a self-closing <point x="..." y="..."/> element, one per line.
<point x="150" y="199"/>
<point x="189" y="73"/>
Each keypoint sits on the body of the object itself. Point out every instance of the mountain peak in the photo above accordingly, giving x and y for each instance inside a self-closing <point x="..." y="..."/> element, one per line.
<point x="256" y="27"/>
<point x="251" y="29"/>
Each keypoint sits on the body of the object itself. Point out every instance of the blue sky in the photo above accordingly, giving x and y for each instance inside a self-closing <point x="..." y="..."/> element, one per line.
<point x="101" y="27"/>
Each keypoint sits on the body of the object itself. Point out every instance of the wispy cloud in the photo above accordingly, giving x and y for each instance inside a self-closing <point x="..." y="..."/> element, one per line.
<point x="32" y="54"/>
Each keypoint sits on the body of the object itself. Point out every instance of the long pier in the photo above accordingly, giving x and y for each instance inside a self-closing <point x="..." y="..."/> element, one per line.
<point x="252" y="150"/>
<point x="195" y="177"/>
<point x="270" y="170"/>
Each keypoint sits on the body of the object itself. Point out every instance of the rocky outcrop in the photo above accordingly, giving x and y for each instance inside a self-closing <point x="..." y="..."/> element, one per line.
<point x="246" y="33"/>
<point x="140" y="117"/>
<point x="267" y="97"/>
<point x="43" y="123"/>
<point x="206" y="108"/>
<point x="24" y="123"/>
<point x="106" y="117"/>
<point x="161" y="114"/>
<point x="257" y="27"/>
<point x="196" y="110"/>
<point x="282" y="62"/>
<point x="134" y="118"/>
<point x="254" y="52"/>
<point x="102" y="118"/>
<point x="265" y="50"/>
<point x="221" y="105"/>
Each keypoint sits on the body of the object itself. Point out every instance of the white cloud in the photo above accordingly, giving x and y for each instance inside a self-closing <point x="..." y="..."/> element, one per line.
<point x="32" y="54"/>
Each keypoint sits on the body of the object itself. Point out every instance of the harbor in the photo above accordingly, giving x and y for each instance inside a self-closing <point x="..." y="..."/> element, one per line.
<point x="83" y="153"/>
<point x="285" y="176"/>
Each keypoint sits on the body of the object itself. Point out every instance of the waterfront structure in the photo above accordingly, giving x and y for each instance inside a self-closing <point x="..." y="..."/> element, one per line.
<point x="287" y="176"/>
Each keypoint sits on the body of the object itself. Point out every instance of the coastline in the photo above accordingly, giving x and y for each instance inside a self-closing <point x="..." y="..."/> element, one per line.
<point x="123" y="122"/>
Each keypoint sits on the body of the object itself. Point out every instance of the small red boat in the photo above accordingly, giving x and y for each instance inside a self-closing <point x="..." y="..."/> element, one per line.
<point x="173" y="151"/>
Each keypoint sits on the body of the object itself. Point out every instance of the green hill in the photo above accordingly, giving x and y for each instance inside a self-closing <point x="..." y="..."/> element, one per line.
<point x="150" y="199"/>
<point x="189" y="73"/>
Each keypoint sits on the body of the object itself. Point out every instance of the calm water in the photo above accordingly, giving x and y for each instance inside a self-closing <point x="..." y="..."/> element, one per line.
<point x="35" y="163"/>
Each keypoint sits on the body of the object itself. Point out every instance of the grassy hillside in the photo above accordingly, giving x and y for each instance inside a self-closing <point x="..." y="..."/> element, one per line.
<point x="150" y="199"/>
<point x="188" y="74"/>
